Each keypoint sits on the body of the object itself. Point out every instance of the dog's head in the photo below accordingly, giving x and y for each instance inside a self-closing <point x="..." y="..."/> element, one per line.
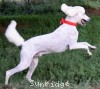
<point x="76" y="12"/>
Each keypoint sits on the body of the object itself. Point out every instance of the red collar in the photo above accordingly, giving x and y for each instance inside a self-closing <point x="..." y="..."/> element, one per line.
<point x="67" y="22"/>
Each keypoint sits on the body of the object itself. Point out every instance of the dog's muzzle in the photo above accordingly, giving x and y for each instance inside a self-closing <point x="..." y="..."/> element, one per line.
<point x="83" y="21"/>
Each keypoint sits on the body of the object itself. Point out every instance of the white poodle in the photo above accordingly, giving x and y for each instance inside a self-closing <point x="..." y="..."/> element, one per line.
<point x="63" y="38"/>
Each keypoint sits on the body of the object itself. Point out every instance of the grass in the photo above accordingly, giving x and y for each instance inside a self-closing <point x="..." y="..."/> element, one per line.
<point x="42" y="6"/>
<point x="94" y="4"/>
<point x="75" y="66"/>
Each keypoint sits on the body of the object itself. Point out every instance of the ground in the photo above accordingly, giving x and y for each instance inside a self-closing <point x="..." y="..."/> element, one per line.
<point x="88" y="11"/>
<point x="93" y="11"/>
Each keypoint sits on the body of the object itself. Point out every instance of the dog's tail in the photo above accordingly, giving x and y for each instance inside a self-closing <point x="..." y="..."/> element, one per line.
<point x="12" y="35"/>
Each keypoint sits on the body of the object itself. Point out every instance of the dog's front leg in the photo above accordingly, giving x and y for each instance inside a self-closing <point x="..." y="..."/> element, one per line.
<point x="89" y="45"/>
<point x="81" y="45"/>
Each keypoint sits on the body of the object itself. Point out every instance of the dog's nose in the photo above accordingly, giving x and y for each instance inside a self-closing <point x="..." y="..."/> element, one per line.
<point x="88" y="19"/>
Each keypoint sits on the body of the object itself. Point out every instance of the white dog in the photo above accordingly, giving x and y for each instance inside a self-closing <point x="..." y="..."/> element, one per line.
<point x="64" y="37"/>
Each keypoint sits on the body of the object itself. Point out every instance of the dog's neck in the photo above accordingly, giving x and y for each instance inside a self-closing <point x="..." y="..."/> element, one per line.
<point x="71" y="19"/>
<point x="68" y="21"/>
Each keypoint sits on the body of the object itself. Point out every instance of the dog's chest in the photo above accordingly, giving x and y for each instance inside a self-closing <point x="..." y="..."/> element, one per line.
<point x="73" y="35"/>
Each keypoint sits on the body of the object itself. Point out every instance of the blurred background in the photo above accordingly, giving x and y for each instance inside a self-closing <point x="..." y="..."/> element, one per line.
<point x="41" y="6"/>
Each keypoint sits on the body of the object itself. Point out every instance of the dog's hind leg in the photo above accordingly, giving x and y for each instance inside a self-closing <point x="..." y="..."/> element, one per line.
<point x="20" y="67"/>
<point x="32" y="68"/>
<point x="24" y="64"/>
<point x="34" y="64"/>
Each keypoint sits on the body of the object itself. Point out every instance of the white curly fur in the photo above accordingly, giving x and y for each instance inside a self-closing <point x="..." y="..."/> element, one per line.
<point x="12" y="35"/>
<point x="72" y="11"/>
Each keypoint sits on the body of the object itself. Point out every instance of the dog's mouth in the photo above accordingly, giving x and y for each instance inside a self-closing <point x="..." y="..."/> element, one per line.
<point x="83" y="21"/>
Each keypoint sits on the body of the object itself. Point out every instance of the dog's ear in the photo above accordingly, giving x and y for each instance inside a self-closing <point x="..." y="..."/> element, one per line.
<point x="68" y="10"/>
<point x="64" y="8"/>
<point x="72" y="11"/>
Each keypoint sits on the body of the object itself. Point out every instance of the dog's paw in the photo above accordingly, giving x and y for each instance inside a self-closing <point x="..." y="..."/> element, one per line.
<point x="31" y="82"/>
<point x="93" y="47"/>
<point x="89" y="53"/>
